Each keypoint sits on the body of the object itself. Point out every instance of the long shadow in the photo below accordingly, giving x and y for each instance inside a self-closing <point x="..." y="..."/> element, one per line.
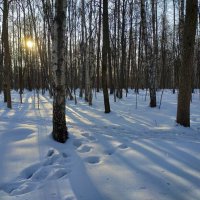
<point x="180" y="154"/>
<point x="81" y="182"/>
<point x="85" y="115"/>
<point x="178" y="177"/>
<point x="14" y="128"/>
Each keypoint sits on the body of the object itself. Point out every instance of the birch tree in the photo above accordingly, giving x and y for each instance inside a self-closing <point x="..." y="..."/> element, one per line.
<point x="59" y="133"/>
<point x="98" y="46"/>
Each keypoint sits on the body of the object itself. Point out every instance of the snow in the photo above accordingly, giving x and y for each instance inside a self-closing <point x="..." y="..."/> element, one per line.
<point x="131" y="154"/>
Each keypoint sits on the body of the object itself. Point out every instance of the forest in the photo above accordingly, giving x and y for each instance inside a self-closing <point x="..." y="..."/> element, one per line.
<point x="125" y="44"/>
<point x="103" y="78"/>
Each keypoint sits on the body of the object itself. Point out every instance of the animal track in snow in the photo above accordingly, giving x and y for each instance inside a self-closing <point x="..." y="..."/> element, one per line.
<point x="93" y="159"/>
<point x="54" y="167"/>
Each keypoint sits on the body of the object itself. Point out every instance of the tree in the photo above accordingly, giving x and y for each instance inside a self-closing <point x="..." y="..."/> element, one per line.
<point x="83" y="48"/>
<point x="123" y="47"/>
<point x="150" y="65"/>
<point x="59" y="133"/>
<point x="185" y="82"/>
<point x="98" y="47"/>
<point x="7" y="57"/>
<point x="105" y="56"/>
<point x="174" y="81"/>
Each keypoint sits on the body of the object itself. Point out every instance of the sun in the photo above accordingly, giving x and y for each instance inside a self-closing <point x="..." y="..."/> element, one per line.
<point x="29" y="44"/>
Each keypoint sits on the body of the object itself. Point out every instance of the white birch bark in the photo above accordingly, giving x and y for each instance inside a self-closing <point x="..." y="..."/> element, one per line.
<point x="59" y="133"/>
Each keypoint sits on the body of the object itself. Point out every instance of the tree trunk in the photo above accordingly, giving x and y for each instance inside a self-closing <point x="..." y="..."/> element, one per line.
<point x="163" y="49"/>
<point x="150" y="65"/>
<point x="123" y="51"/>
<point x="174" y="37"/>
<point x="98" y="47"/>
<point x="59" y="133"/>
<point x="105" y="55"/>
<point x="1" y="70"/>
<point x="7" y="58"/>
<point x="83" y="49"/>
<point x="189" y="31"/>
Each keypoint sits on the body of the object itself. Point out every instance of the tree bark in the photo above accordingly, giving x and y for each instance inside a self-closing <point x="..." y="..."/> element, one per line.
<point x="98" y="47"/>
<point x="59" y="133"/>
<point x="189" y="31"/>
<point x="7" y="57"/>
<point x="83" y="49"/>
<point x="150" y="65"/>
<point x="123" y="51"/>
<point x="105" y="55"/>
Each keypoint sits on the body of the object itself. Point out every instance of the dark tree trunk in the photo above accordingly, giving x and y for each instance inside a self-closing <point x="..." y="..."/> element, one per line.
<point x="1" y="70"/>
<point x="105" y="55"/>
<point x="123" y="47"/>
<point x="83" y="49"/>
<point x="189" y="31"/>
<point x="7" y="57"/>
<point x="149" y="62"/>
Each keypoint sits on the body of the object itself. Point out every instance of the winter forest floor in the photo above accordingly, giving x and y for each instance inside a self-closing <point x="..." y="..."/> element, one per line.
<point x="129" y="154"/>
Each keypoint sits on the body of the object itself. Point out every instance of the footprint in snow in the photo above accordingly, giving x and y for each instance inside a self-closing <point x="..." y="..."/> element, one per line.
<point x="50" y="153"/>
<point x="23" y="188"/>
<point x="77" y="143"/>
<point x="63" y="157"/>
<point x="122" y="146"/>
<point x="89" y="137"/>
<point x="52" y="168"/>
<point x="85" y="149"/>
<point x="109" y="152"/>
<point x="142" y="188"/>
<point x="58" y="173"/>
<point x="93" y="159"/>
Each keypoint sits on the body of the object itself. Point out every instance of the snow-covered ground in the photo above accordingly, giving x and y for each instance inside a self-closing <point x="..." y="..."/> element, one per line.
<point x="129" y="154"/>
